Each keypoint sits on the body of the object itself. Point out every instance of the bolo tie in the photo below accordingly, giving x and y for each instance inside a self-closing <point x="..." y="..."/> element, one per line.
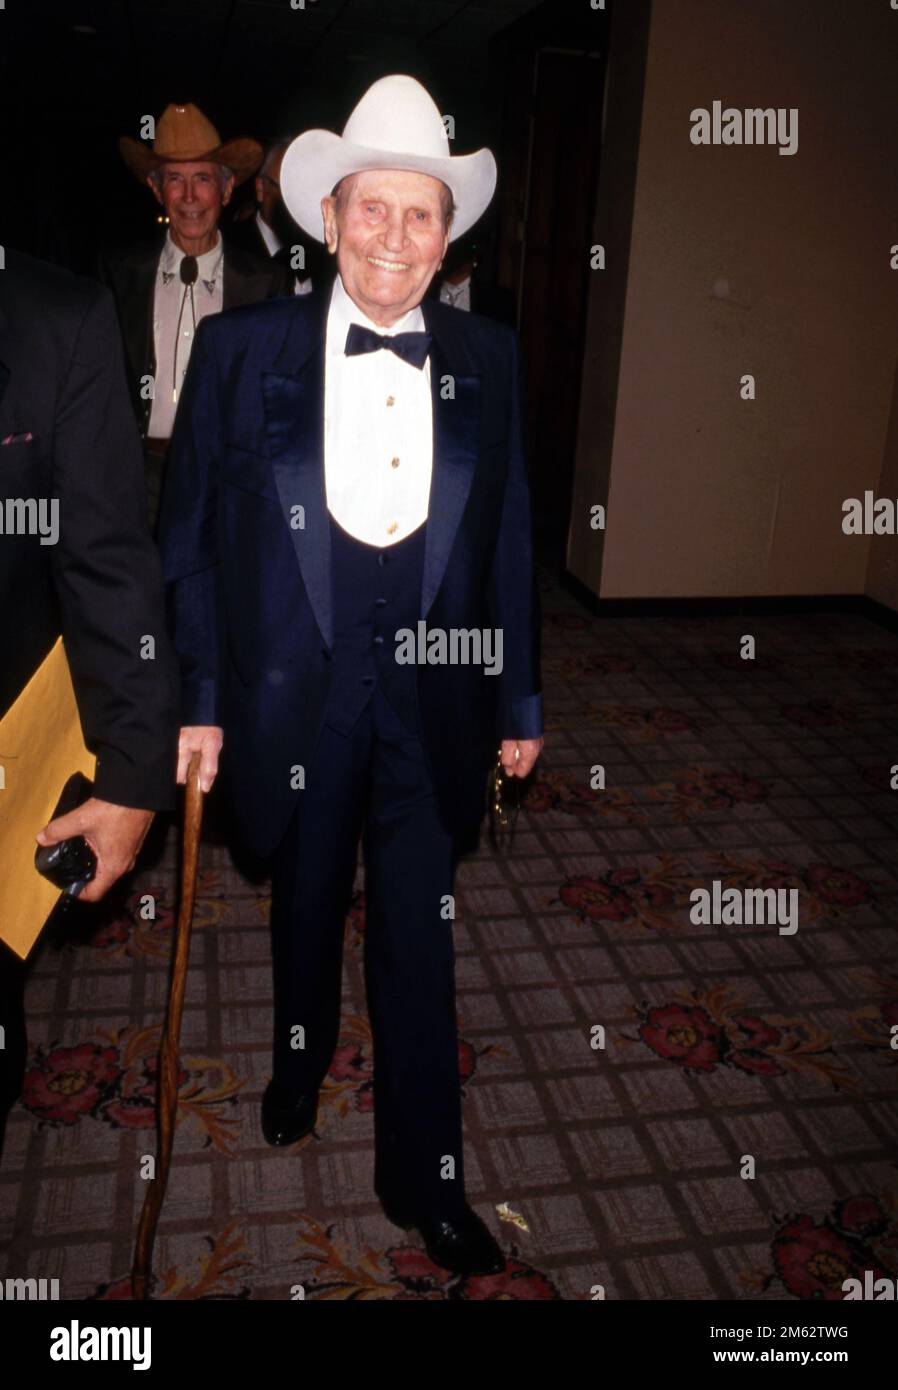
<point x="189" y="270"/>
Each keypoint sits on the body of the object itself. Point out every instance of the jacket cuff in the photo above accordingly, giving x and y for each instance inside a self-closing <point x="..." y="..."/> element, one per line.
<point x="525" y="719"/>
<point x="199" y="700"/>
<point x="145" y="786"/>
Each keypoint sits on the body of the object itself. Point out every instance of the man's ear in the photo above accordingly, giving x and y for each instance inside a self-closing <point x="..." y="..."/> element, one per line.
<point x="329" y="217"/>
<point x="151" y="185"/>
<point x="228" y="190"/>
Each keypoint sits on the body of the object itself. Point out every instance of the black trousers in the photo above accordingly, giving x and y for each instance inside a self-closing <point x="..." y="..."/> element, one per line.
<point x="375" y="781"/>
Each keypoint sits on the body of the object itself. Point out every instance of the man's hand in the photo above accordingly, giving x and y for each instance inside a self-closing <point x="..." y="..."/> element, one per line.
<point x="114" y="833"/>
<point x="205" y="739"/>
<point x="519" y="755"/>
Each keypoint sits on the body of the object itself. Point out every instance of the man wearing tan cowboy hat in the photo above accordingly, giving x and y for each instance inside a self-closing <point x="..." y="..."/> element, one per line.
<point x="347" y="469"/>
<point x="164" y="287"/>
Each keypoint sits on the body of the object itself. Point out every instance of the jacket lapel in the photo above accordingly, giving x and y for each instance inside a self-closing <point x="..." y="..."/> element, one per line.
<point x="455" y="394"/>
<point x="138" y="293"/>
<point x="294" y="411"/>
<point x="294" y="416"/>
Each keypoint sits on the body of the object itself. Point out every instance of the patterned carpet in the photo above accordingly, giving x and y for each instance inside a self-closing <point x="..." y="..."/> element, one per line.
<point x="619" y="1166"/>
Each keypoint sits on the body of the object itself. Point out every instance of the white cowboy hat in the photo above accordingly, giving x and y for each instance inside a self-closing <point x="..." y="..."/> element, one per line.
<point x="396" y="125"/>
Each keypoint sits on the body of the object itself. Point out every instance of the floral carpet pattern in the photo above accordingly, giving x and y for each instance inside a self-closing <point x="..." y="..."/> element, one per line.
<point x="620" y="1064"/>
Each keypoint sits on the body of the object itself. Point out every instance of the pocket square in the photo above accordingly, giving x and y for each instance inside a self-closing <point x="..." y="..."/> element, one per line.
<point x="23" y="437"/>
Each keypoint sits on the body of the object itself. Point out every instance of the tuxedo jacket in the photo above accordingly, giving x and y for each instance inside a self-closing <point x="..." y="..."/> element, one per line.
<point x="319" y="265"/>
<point x="131" y="275"/>
<point x="67" y="434"/>
<point x="245" y="538"/>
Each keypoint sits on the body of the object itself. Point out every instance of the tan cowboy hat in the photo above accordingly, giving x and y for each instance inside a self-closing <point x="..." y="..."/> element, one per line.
<point x="396" y="125"/>
<point x="184" y="134"/>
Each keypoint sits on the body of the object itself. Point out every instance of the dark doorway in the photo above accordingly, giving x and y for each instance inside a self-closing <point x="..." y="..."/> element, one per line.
<point x="553" y="80"/>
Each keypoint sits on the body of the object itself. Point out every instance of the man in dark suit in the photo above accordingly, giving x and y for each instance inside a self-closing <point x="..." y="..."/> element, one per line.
<point x="341" y="480"/>
<point x="463" y="284"/>
<point x="67" y="433"/>
<point x="165" y="286"/>
<point x="271" y="231"/>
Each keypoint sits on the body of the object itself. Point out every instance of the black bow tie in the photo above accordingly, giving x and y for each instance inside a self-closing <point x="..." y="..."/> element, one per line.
<point x="411" y="347"/>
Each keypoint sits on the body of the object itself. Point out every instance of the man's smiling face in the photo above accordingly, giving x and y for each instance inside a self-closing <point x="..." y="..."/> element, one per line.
<point x="389" y="231"/>
<point x="193" y="194"/>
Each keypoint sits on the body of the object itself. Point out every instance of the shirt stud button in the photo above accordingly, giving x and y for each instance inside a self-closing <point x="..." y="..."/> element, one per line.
<point x="394" y="526"/>
<point x="394" y="463"/>
<point x="391" y="400"/>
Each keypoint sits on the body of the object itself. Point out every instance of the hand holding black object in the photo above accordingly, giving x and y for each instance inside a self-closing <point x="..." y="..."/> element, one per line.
<point x="113" y="833"/>
<point x="70" y="863"/>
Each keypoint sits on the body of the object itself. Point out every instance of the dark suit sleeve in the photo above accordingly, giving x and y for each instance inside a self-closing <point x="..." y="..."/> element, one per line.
<point x="187" y="533"/>
<point x="107" y="577"/>
<point x="513" y="594"/>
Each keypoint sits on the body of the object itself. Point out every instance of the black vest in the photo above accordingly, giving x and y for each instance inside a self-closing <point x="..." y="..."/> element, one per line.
<point x="375" y="592"/>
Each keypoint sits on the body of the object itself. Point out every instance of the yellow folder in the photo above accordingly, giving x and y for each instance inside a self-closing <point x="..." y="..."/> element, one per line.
<point x="41" y="745"/>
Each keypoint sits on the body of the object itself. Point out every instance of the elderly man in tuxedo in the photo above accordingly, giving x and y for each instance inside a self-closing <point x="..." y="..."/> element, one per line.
<point x="347" y="470"/>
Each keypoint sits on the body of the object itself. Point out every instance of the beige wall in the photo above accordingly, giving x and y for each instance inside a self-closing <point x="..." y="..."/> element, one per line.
<point x="882" y="570"/>
<point x="743" y="260"/>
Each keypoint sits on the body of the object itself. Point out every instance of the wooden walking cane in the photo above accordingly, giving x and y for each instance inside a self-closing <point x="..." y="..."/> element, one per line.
<point x="169" y="1061"/>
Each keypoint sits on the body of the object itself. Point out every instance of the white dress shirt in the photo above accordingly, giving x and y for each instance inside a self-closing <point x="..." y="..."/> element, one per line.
<point x="457" y="296"/>
<point x="271" y="239"/>
<point x="174" y="301"/>
<point x="378" y="430"/>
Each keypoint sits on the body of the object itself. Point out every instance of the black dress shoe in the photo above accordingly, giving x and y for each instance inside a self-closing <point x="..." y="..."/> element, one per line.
<point x="460" y="1243"/>
<point x="287" y="1119"/>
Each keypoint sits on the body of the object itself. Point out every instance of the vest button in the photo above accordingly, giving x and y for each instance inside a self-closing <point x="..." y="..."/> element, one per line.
<point x="378" y="641"/>
<point x="382" y="559"/>
<point x="379" y="602"/>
